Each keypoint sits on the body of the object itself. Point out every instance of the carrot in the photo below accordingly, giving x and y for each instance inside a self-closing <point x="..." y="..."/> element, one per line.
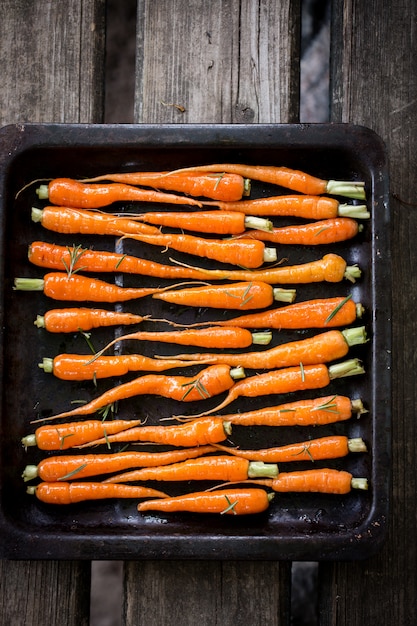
<point x="212" y="222"/>
<point x="72" y="320"/>
<point x="64" y="436"/>
<point x="70" y="286"/>
<point x="249" y="253"/>
<point x="210" y="382"/>
<point x="310" y="412"/>
<point x="78" y="466"/>
<point x="69" y="493"/>
<point x="81" y="367"/>
<point x="226" y="501"/>
<point x="322" y="348"/>
<point x="286" y="380"/>
<point x="331" y="230"/>
<point x="323" y="480"/>
<point x="331" y="447"/>
<point x="243" y="296"/>
<point x="199" y="432"/>
<point x="226" y="187"/>
<point x="286" y="177"/>
<point x="72" y="193"/>
<point x="308" y="207"/>
<point x="221" y="467"/>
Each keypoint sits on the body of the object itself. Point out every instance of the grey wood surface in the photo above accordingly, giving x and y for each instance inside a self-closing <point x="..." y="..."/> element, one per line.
<point x="375" y="83"/>
<point x="52" y="59"/>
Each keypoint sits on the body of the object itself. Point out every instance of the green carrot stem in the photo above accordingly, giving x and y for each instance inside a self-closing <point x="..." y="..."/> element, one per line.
<point x="355" y="336"/>
<point x="357" y="444"/>
<point x="262" y="338"/>
<point x="351" y="367"/>
<point x="28" y="284"/>
<point x="349" y="189"/>
<point x="259" y="469"/>
<point x="359" y="483"/>
<point x="284" y="295"/>
<point x="352" y="272"/>
<point x="356" y="211"/>
<point x="42" y="192"/>
<point x="258" y="223"/>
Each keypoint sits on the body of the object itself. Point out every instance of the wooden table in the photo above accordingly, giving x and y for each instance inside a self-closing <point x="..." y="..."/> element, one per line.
<point x="237" y="61"/>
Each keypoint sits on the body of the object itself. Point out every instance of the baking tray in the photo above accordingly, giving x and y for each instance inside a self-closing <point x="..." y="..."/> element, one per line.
<point x="297" y="527"/>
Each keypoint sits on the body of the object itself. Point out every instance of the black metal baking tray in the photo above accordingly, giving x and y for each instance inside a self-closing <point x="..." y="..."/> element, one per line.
<point x="297" y="527"/>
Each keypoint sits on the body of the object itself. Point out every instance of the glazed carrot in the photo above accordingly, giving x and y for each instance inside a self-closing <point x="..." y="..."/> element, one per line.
<point x="310" y="412"/>
<point x="210" y="382"/>
<point x="72" y="320"/>
<point x="317" y="313"/>
<point x="322" y="348"/>
<point x="249" y="253"/>
<point x="81" y="367"/>
<point x="72" y="193"/>
<point x="69" y="493"/>
<point x="199" y="432"/>
<point x="226" y="501"/>
<point x="213" y="222"/>
<point x="220" y="467"/>
<point x="327" y="231"/>
<point x="286" y="380"/>
<point x="65" y="286"/>
<point x="308" y="207"/>
<point x="226" y="187"/>
<point x="76" y="466"/>
<point x="64" y="436"/>
<point x="286" y="177"/>
<point x="316" y="481"/>
<point x="242" y="296"/>
<point x="331" y="447"/>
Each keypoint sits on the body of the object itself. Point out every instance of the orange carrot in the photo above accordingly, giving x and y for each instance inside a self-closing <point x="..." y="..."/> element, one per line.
<point x="221" y="467"/>
<point x="330" y="447"/>
<point x="243" y="296"/>
<point x="311" y="412"/>
<point x="323" y="480"/>
<point x="322" y="348"/>
<point x="64" y="436"/>
<point x="199" y="432"/>
<point x="308" y="207"/>
<point x="226" y="187"/>
<point x="69" y="493"/>
<point x="286" y="177"/>
<point x="227" y="501"/>
<point x="317" y="313"/>
<point x="76" y="466"/>
<point x="327" y="231"/>
<point x="286" y="380"/>
<point x="210" y="382"/>
<point x="212" y="222"/>
<point x="249" y="253"/>
<point x="70" y="286"/>
<point x="72" y="320"/>
<point x="72" y="193"/>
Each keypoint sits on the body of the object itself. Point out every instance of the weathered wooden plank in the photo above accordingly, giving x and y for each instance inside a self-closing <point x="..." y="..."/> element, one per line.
<point x="374" y="83"/>
<point x="52" y="61"/>
<point x="216" y="62"/>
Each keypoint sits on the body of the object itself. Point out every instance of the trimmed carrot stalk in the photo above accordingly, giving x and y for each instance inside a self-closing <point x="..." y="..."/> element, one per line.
<point x="331" y="447"/>
<point x="319" y="233"/>
<point x="69" y="493"/>
<point x="243" y="296"/>
<point x="227" y="501"/>
<point x="72" y="320"/>
<point x="64" y="436"/>
<point x="323" y="480"/>
<point x="228" y="187"/>
<point x="210" y="382"/>
<point x="322" y="348"/>
<point x="308" y="207"/>
<point x="69" y="467"/>
<point x="211" y="222"/>
<point x="72" y="193"/>
<point x="61" y="286"/>
<point x="286" y="177"/>
<point x="220" y="467"/>
<point x="286" y="380"/>
<point x="199" y="432"/>
<point x="311" y="412"/>
<point x="249" y="253"/>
